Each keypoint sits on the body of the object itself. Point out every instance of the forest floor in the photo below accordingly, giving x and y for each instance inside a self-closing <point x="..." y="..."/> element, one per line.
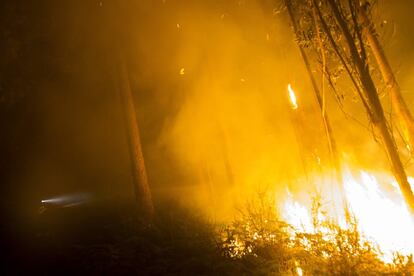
<point x="108" y="239"/>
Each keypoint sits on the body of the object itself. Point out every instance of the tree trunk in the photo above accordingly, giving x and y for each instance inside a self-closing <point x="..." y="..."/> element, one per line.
<point x="327" y="126"/>
<point x="376" y="111"/>
<point x="397" y="101"/>
<point x="139" y="174"/>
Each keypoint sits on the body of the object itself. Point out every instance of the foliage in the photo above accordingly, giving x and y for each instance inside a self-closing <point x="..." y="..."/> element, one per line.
<point x="320" y="33"/>
<point x="259" y="239"/>
<point x="270" y="246"/>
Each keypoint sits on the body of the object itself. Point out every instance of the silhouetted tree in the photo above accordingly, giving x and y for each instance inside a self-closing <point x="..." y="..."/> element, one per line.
<point x="340" y="37"/>
<point x="139" y="173"/>
<point x="399" y="105"/>
<point x="320" y="98"/>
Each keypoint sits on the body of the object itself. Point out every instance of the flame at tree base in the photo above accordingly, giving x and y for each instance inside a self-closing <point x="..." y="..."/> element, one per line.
<point x="376" y="204"/>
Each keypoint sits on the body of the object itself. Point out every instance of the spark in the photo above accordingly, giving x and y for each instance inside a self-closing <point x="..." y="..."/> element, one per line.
<point x="299" y="271"/>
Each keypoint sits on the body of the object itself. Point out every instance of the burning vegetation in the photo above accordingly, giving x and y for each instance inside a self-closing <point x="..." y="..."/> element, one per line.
<point x="279" y="129"/>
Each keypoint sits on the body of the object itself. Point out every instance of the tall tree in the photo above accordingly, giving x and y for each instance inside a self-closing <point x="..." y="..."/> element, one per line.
<point x="333" y="150"/>
<point x="399" y="105"/>
<point x="344" y="43"/>
<point x="139" y="173"/>
<point x="118" y="17"/>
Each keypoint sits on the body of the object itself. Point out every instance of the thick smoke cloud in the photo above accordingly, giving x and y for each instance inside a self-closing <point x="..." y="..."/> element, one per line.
<point x="209" y="80"/>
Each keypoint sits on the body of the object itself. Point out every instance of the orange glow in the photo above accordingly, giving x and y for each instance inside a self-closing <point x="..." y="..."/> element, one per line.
<point x="377" y="204"/>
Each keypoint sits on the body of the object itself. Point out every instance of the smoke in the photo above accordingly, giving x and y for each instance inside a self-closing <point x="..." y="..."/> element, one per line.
<point x="218" y="75"/>
<point x="210" y="85"/>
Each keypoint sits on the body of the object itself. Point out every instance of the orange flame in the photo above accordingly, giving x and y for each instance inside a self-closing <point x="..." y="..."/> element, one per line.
<point x="292" y="97"/>
<point x="377" y="204"/>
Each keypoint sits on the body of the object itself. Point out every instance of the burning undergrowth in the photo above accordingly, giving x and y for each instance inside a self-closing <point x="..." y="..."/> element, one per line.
<point x="358" y="225"/>
<point x="267" y="244"/>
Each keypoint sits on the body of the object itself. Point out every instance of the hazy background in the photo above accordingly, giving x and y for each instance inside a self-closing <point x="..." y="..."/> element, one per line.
<point x="209" y="80"/>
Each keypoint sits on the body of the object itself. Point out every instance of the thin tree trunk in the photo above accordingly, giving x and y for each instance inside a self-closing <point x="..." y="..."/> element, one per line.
<point x="376" y="113"/>
<point x="139" y="174"/>
<point x="397" y="101"/>
<point x="327" y="126"/>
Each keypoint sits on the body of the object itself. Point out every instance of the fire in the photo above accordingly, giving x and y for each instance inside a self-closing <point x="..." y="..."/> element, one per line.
<point x="374" y="200"/>
<point x="378" y="207"/>
<point x="292" y="97"/>
<point x="299" y="270"/>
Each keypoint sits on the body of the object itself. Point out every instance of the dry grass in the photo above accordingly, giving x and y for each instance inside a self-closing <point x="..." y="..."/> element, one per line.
<point x="266" y="245"/>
